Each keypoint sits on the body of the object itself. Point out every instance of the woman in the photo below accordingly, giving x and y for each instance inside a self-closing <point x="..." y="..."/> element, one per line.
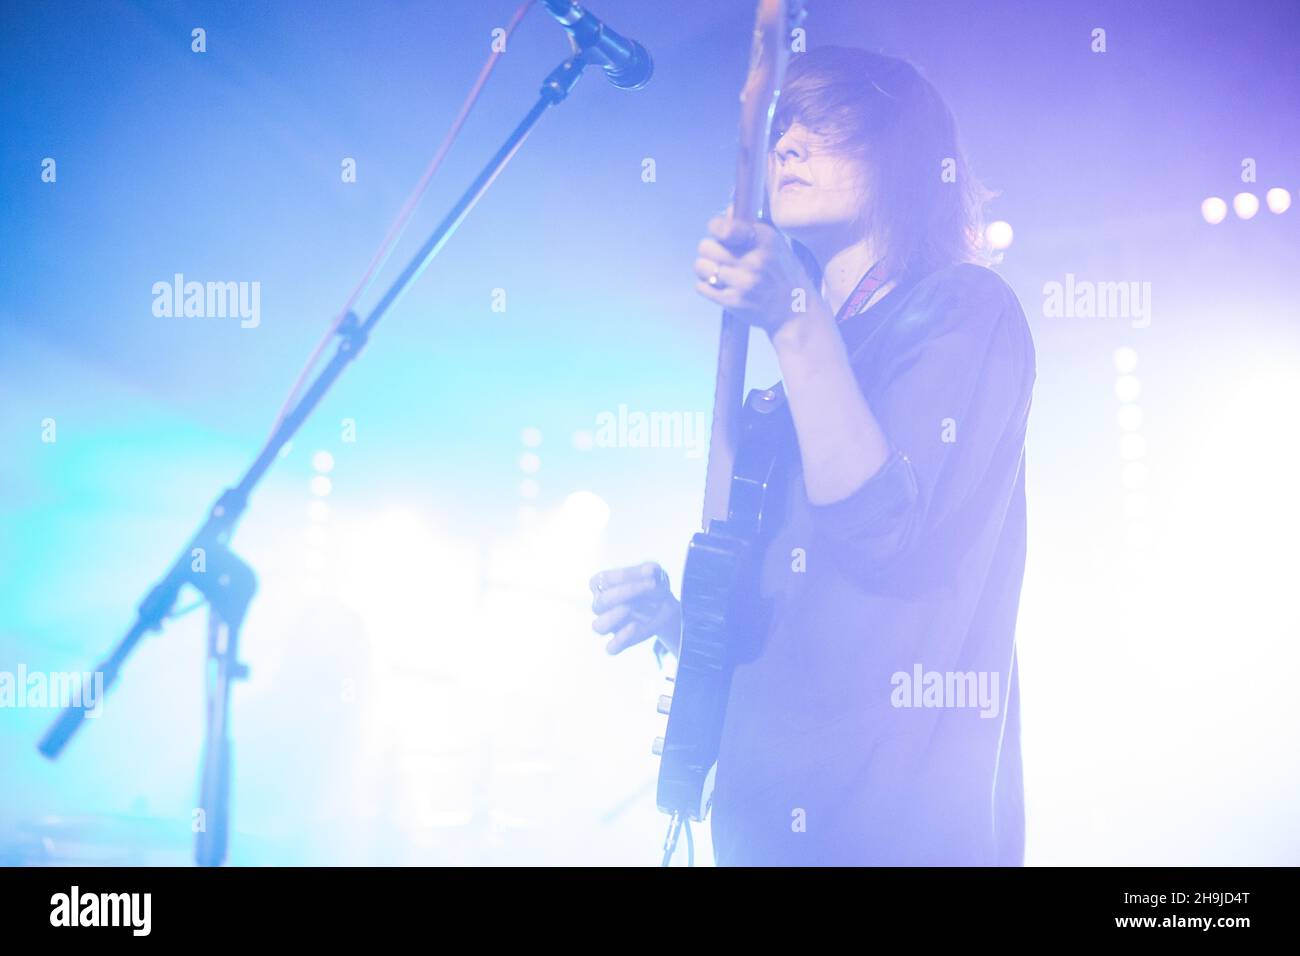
<point x="879" y="724"/>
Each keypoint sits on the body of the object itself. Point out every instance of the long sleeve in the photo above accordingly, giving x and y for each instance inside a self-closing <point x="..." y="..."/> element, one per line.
<point x="920" y="566"/>
<point x="949" y="381"/>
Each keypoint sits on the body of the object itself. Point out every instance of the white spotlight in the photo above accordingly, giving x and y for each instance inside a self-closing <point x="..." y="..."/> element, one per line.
<point x="1134" y="475"/>
<point x="1245" y="205"/>
<point x="999" y="234"/>
<point x="1139" y="537"/>
<point x="1278" y="199"/>
<point x="1130" y="417"/>
<point x="1214" y="210"/>
<point x="587" y="510"/>
<point x="1132" y="446"/>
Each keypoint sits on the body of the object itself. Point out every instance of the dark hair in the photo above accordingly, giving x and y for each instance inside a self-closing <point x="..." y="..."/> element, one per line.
<point x="879" y="109"/>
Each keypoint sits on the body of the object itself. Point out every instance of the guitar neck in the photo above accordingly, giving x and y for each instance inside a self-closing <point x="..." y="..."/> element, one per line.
<point x="767" y="61"/>
<point x="733" y="352"/>
<point x="724" y="437"/>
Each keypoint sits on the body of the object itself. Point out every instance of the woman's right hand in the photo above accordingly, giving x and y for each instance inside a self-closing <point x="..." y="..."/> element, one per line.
<point x="634" y="604"/>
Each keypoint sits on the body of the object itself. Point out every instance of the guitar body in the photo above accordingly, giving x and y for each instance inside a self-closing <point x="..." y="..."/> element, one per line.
<point x="722" y="615"/>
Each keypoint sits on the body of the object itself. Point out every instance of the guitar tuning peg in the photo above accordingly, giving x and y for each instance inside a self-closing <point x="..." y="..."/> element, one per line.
<point x="665" y="703"/>
<point x="657" y="748"/>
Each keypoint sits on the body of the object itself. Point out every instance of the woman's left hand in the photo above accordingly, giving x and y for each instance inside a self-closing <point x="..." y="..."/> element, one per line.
<point x="756" y="274"/>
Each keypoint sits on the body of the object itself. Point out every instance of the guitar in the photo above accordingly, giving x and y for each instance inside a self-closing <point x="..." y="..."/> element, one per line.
<point x="720" y="611"/>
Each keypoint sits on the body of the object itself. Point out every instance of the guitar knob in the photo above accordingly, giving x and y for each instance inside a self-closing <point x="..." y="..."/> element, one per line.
<point x="665" y="703"/>
<point x="657" y="748"/>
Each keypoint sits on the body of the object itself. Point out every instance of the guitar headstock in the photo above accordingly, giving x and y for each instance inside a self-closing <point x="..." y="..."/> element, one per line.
<point x="769" y="54"/>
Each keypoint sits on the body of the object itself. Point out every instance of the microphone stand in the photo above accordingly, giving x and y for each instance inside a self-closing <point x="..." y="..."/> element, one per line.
<point x="228" y="583"/>
<point x="227" y="605"/>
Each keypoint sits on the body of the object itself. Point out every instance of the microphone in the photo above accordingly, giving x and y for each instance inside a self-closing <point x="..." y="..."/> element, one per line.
<point x="626" y="63"/>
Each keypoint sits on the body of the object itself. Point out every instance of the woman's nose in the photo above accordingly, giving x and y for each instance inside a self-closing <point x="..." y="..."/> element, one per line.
<point x="788" y="147"/>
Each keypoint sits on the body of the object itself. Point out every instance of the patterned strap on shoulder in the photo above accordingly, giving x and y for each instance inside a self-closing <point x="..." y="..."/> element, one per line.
<point x="863" y="292"/>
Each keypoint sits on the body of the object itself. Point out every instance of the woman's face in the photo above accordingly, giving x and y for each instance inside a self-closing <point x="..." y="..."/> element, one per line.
<point x="815" y="192"/>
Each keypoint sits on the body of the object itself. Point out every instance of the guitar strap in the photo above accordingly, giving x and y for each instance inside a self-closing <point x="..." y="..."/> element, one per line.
<point x="863" y="292"/>
<point x="861" y="296"/>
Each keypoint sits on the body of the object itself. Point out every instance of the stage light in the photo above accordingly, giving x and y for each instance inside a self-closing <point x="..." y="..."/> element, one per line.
<point x="1132" y="446"/>
<point x="1245" y="205"/>
<point x="1139" y="537"/>
<point x="529" y="463"/>
<point x="321" y="486"/>
<point x="1135" y="475"/>
<point x="1130" y="417"/>
<point x="318" y="511"/>
<point x="1214" y="210"/>
<point x="323" y="462"/>
<point x="528" y="488"/>
<point x="1126" y="359"/>
<point x="413" y="587"/>
<point x="583" y="440"/>
<point x="531" y="437"/>
<point x="1128" y="388"/>
<point x="999" y="234"/>
<point x="587" y="510"/>
<point x="1278" y="199"/>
